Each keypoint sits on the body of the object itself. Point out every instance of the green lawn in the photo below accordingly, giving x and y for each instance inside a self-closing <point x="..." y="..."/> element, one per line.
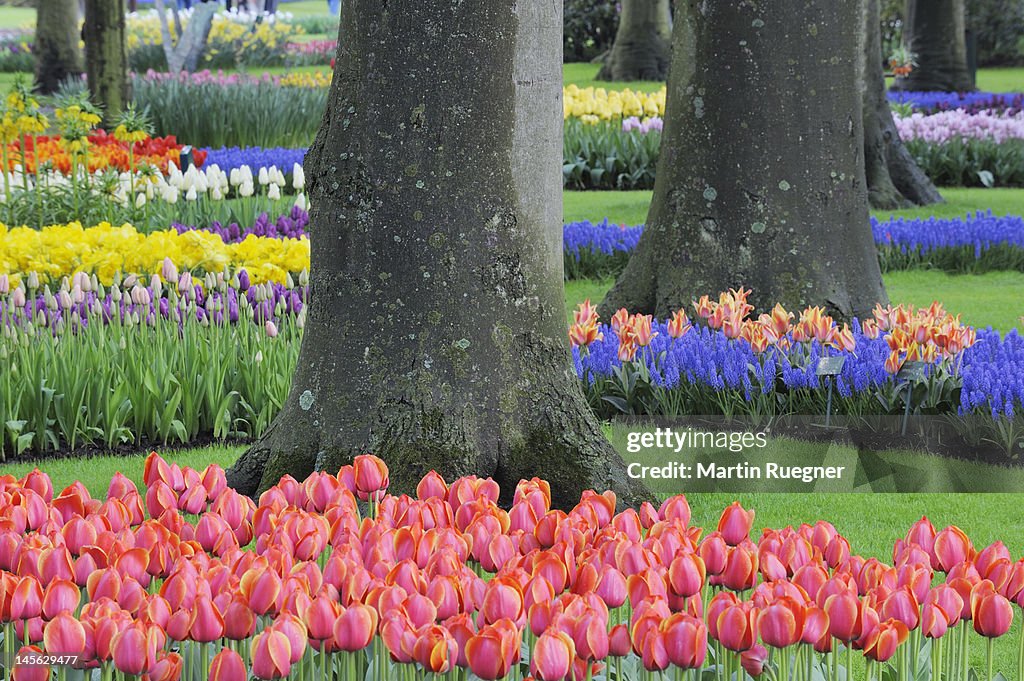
<point x="17" y="17"/>
<point x="1009" y="79"/>
<point x="991" y="299"/>
<point x="630" y="207"/>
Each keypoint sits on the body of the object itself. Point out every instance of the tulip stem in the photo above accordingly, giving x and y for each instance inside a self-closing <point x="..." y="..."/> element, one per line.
<point x="1020" y="656"/>
<point x="988" y="657"/>
<point x="965" y="656"/>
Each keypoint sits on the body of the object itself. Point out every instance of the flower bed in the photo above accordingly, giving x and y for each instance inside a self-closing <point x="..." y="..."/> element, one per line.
<point x="155" y="581"/>
<point x="971" y="102"/>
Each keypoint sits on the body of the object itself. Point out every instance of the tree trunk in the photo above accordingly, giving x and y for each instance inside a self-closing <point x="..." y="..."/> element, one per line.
<point x="436" y="335"/>
<point x="106" y="62"/>
<point x="893" y="176"/>
<point x="643" y="43"/>
<point x="934" y="31"/>
<point x="56" y="44"/>
<point x="760" y="182"/>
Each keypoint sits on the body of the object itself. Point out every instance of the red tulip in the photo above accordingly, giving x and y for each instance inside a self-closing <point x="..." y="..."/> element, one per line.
<point x="618" y="641"/>
<point x="740" y="571"/>
<point x="735" y="524"/>
<point x="27" y="599"/>
<point x="166" y="668"/>
<point x="934" y="621"/>
<point x="991" y="612"/>
<point x="552" y="656"/>
<point x="227" y="665"/>
<point x="271" y="655"/>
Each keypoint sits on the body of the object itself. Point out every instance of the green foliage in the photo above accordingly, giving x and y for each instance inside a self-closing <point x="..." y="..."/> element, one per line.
<point x="589" y="28"/>
<point x="971" y="162"/>
<point x="104" y="386"/>
<point x="601" y="156"/>
<point x="252" y="113"/>
<point x="997" y="25"/>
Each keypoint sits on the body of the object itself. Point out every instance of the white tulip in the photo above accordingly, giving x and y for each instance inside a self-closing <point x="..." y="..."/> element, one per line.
<point x="274" y="193"/>
<point x="298" y="178"/>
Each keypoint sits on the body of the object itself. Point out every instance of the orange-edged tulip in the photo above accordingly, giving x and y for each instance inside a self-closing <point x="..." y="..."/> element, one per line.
<point x="902" y="606"/>
<point x="618" y="641"/>
<point x="166" y="668"/>
<point x="934" y="621"/>
<point x="737" y="627"/>
<point x="271" y="655"/>
<point x="227" y="665"/>
<point x="64" y="635"/>
<point x="585" y="313"/>
<point x="686" y="574"/>
<point x="781" y="623"/>
<point x="845" y="616"/>
<point x="552" y="655"/>
<point x="991" y="612"/>
<point x="713" y="551"/>
<point x="590" y="634"/>
<point x="371" y="476"/>
<point x="239" y="619"/>
<point x="39" y="672"/>
<point x="740" y="571"/>
<point x="261" y="589"/>
<point x="679" y="325"/>
<point x="206" y="623"/>
<point x="27" y="599"/>
<point x="493" y="650"/>
<point x="298" y="637"/>
<point x="883" y="641"/>
<point x="952" y="547"/>
<point x="355" y="628"/>
<point x="130" y="650"/>
<point x="320" y="618"/>
<point x="60" y="595"/>
<point x="685" y="640"/>
<point x="754" y="659"/>
<point x="431" y="486"/>
<point x="735" y="524"/>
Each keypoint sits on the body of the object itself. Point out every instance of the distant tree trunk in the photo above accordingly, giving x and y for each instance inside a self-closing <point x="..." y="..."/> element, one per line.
<point x="893" y="176"/>
<point x="56" y="44"/>
<point x="106" y="62"/>
<point x="643" y="43"/>
<point x="436" y="335"/>
<point x="935" y="31"/>
<point x="760" y="181"/>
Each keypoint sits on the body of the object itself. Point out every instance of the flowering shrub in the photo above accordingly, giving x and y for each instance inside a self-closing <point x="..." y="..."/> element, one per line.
<point x="154" y="581"/>
<point x="236" y="39"/>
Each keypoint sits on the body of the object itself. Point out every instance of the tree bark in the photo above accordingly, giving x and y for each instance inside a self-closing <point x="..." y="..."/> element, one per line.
<point x="934" y="31"/>
<point x="106" y="61"/>
<point x="643" y="43"/>
<point x="893" y="176"/>
<point x="56" y="44"/>
<point x="436" y="335"/>
<point x="760" y="181"/>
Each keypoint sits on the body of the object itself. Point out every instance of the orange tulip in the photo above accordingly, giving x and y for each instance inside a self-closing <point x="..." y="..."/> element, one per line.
<point x="131" y="652"/>
<point x="781" y="624"/>
<point x="30" y="672"/>
<point x="355" y="628"/>
<point x="737" y="627"/>
<point x="64" y="635"/>
<point x="679" y="325"/>
<point x="493" y="650"/>
<point x="686" y="640"/>
<point x="686" y="574"/>
<point x="952" y="547"/>
<point x="883" y="641"/>
<point x="166" y="668"/>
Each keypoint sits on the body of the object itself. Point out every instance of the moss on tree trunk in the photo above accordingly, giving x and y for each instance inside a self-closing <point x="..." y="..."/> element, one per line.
<point x="893" y="177"/>
<point x="760" y="180"/>
<point x="643" y="43"/>
<point x="935" y="32"/>
<point x="55" y="45"/>
<point x="436" y="334"/>
<point x="106" y="62"/>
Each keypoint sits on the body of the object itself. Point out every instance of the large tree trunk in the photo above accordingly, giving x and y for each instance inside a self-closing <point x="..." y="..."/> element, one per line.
<point x="56" y="44"/>
<point x="894" y="178"/>
<point x="106" y="62"/>
<point x="436" y="335"/>
<point x="934" y="31"/>
<point x="643" y="43"/>
<point x="760" y="181"/>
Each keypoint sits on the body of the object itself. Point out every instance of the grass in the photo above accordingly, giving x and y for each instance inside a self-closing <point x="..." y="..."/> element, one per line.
<point x="17" y="17"/>
<point x="630" y="207"/>
<point x="1004" y="79"/>
<point x="991" y="299"/>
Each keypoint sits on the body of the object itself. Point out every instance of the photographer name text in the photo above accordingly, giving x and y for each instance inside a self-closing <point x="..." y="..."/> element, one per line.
<point x="740" y="471"/>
